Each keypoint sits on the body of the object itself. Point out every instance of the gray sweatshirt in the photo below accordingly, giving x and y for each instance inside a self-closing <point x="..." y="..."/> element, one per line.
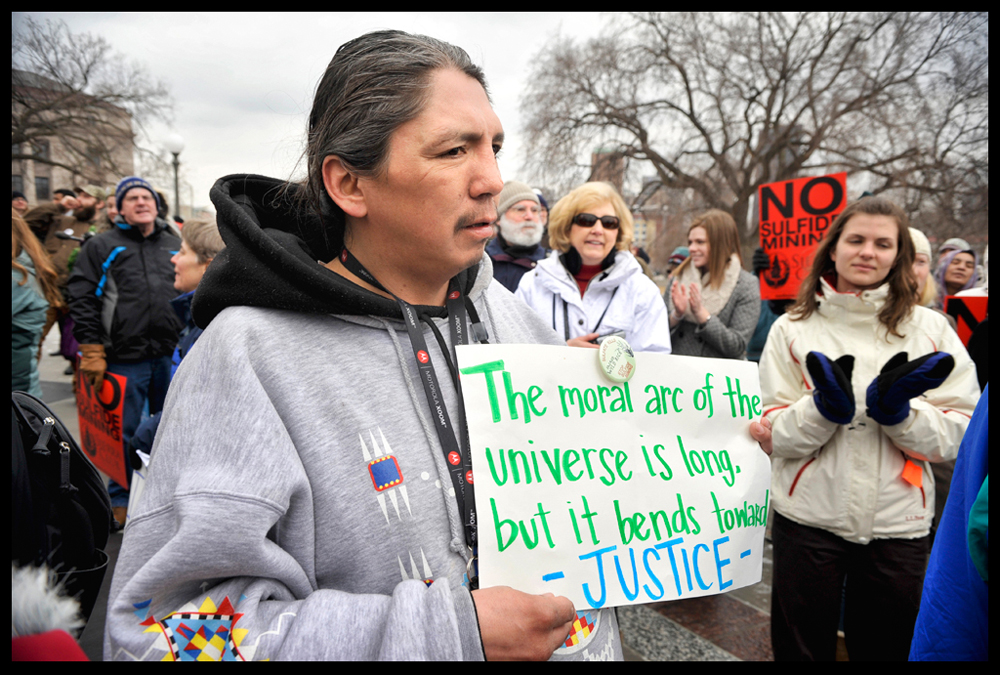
<point x="298" y="504"/>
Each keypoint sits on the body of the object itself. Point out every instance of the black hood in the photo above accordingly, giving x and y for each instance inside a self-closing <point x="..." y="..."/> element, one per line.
<point x="275" y="249"/>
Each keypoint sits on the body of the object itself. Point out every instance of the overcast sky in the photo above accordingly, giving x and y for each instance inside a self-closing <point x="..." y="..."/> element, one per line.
<point x="243" y="83"/>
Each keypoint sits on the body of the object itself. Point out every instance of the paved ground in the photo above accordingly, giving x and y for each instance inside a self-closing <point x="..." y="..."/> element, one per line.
<point x="57" y="388"/>
<point x="733" y="626"/>
<point x="729" y="627"/>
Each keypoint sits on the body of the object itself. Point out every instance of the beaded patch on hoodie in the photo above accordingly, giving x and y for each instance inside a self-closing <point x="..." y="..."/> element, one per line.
<point x="206" y="633"/>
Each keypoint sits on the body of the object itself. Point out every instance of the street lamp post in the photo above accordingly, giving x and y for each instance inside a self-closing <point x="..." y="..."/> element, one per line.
<point x="174" y="145"/>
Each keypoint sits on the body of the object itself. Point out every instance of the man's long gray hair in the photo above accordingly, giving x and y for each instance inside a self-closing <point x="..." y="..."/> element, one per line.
<point x="373" y="85"/>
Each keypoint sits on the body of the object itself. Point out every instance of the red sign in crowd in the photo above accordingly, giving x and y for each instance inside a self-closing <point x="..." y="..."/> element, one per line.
<point x="100" y="418"/>
<point x="794" y="217"/>
<point x="968" y="311"/>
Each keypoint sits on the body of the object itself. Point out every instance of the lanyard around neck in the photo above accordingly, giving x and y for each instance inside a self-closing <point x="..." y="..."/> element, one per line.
<point x="459" y="462"/>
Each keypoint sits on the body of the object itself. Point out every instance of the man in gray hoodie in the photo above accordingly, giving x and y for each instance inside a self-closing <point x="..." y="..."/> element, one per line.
<point x="310" y="494"/>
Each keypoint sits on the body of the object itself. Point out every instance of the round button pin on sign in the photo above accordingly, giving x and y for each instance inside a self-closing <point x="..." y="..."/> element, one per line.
<point x="617" y="359"/>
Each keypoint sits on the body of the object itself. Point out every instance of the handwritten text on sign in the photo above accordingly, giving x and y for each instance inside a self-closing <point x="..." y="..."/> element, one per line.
<point x="614" y="494"/>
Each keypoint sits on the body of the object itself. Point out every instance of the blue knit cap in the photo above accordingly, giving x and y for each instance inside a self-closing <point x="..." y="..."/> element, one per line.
<point x="127" y="184"/>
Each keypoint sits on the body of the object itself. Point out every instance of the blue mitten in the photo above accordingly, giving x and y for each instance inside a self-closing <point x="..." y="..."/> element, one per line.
<point x="900" y="380"/>
<point x="834" y="396"/>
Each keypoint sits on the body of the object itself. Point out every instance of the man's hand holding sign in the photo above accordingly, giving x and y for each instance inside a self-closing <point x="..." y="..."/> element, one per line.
<point x="615" y="493"/>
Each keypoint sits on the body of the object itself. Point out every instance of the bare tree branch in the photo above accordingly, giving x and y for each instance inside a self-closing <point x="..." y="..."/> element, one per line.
<point x="723" y="103"/>
<point x="71" y="88"/>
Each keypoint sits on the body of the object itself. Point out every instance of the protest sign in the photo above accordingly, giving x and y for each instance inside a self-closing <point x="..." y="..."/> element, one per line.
<point x="969" y="311"/>
<point x="101" y="424"/>
<point x="614" y="493"/>
<point x="794" y="217"/>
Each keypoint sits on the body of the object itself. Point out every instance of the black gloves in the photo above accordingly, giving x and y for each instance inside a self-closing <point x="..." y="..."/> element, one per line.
<point x="900" y="380"/>
<point x="834" y="396"/>
<point x="761" y="261"/>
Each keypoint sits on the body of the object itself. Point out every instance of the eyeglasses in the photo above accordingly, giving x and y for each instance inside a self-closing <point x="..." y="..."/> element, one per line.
<point x="589" y="220"/>
<point x="522" y="211"/>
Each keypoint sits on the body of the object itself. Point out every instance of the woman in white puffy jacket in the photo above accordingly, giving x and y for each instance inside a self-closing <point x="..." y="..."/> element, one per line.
<point x="591" y="285"/>
<point x="863" y="389"/>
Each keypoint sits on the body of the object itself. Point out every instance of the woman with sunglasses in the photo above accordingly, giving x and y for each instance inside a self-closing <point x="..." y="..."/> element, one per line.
<point x="714" y="303"/>
<point x="592" y="286"/>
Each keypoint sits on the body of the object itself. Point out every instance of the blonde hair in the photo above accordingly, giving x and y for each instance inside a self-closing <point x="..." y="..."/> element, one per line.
<point x="587" y="196"/>
<point x="202" y="237"/>
<point x="723" y="242"/>
<point x="921" y="245"/>
<point x="930" y="293"/>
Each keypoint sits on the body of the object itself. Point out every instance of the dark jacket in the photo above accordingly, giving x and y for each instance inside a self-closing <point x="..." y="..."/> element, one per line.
<point x="189" y="333"/>
<point x="45" y="221"/>
<point x="510" y="263"/>
<point x="143" y="437"/>
<point x="120" y="292"/>
<point x="42" y="218"/>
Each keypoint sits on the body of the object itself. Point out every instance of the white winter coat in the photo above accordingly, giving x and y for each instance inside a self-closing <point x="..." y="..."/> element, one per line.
<point x="635" y="308"/>
<point x="847" y="479"/>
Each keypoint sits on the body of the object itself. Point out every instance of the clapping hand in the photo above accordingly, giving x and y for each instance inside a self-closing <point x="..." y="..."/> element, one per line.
<point x="701" y="315"/>
<point x="679" y="297"/>
<point x="688" y="296"/>
<point x="900" y="380"/>
<point x="834" y="395"/>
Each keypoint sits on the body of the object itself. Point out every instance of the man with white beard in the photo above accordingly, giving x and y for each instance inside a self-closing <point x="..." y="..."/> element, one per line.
<point x="516" y="249"/>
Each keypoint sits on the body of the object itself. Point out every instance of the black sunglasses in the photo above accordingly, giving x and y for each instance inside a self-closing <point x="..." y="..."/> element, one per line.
<point x="589" y="220"/>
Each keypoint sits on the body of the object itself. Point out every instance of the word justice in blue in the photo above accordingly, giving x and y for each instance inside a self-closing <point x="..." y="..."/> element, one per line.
<point x="685" y="567"/>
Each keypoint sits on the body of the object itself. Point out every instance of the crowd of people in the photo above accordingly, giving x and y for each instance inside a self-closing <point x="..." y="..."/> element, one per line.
<point x="317" y="307"/>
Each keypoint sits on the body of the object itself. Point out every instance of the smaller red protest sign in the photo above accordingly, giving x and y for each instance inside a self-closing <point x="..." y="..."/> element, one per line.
<point x="794" y="217"/>
<point x="969" y="311"/>
<point x="100" y="418"/>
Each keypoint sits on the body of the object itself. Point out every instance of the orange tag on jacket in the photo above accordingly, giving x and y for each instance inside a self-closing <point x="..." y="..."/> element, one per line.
<point x="913" y="474"/>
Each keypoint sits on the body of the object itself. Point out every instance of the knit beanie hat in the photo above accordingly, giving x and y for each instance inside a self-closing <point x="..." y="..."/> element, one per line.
<point x="127" y="184"/>
<point x="954" y="244"/>
<point x="513" y="192"/>
<point x="920" y="242"/>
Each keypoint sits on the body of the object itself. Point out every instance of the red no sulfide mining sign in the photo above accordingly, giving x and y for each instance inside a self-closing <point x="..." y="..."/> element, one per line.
<point x="794" y="217"/>
<point x="100" y="417"/>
